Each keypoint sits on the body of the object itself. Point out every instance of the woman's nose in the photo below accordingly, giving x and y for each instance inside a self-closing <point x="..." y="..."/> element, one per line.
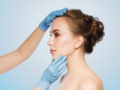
<point x="50" y="41"/>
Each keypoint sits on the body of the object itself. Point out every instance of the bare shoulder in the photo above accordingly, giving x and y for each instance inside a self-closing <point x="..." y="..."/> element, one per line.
<point x="91" y="83"/>
<point x="68" y="83"/>
<point x="82" y="81"/>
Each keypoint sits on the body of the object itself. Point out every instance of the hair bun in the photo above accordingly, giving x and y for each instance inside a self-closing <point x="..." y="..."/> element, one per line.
<point x="97" y="28"/>
<point x="86" y="25"/>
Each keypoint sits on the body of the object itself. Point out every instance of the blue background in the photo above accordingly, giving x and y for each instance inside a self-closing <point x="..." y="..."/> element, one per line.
<point x="19" y="18"/>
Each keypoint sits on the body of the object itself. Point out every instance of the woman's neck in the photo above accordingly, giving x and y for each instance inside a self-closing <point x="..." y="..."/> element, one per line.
<point x="76" y="62"/>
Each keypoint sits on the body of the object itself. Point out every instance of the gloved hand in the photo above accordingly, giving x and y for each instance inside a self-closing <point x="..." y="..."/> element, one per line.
<point x="44" y="25"/>
<point x="52" y="73"/>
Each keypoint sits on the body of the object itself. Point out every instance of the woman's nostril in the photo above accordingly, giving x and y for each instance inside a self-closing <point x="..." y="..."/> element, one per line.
<point x="49" y="43"/>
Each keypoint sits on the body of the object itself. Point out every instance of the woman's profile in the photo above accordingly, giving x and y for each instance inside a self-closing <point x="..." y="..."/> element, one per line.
<point x="75" y="34"/>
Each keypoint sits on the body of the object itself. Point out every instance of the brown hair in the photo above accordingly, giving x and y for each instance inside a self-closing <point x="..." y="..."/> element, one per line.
<point x="87" y="26"/>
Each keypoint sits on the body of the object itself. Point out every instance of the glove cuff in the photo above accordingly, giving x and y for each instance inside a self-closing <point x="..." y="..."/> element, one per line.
<point x="42" y="26"/>
<point x="43" y="85"/>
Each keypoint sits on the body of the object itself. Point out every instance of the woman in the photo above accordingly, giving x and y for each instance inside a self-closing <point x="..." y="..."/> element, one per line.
<point x="74" y="34"/>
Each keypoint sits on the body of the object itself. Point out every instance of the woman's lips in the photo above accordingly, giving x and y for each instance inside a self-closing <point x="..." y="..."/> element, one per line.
<point x="52" y="51"/>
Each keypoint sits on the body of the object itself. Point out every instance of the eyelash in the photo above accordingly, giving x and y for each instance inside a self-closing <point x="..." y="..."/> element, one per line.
<point x="56" y="35"/>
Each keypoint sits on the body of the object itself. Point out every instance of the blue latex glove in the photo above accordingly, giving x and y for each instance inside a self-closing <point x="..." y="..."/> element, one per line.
<point x="44" y="25"/>
<point x="52" y="73"/>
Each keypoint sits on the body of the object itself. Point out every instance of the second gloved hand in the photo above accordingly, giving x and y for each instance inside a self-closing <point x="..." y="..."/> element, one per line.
<point x="53" y="72"/>
<point x="44" y="25"/>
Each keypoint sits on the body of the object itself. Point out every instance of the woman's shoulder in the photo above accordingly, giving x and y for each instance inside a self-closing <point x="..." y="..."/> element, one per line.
<point x="90" y="81"/>
<point x="83" y="81"/>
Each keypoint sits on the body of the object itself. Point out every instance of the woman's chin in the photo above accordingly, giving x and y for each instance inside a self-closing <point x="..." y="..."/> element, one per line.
<point x="55" y="56"/>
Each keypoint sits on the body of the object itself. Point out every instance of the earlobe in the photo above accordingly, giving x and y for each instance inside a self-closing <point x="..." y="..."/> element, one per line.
<point x="79" y="42"/>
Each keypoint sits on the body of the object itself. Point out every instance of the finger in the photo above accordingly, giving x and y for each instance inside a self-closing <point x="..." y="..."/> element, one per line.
<point x="62" y="66"/>
<point x="60" y="12"/>
<point x="64" y="9"/>
<point x="57" y="59"/>
<point x="62" y="71"/>
<point x="61" y="61"/>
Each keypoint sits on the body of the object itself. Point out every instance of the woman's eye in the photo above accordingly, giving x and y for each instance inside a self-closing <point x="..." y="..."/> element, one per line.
<point x="56" y="34"/>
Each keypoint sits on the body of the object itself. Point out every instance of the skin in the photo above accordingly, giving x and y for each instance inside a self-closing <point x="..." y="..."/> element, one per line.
<point x="12" y="59"/>
<point x="36" y="88"/>
<point x="79" y="76"/>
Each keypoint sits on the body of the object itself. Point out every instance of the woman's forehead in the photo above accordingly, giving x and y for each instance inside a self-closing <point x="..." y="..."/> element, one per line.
<point x="59" y="24"/>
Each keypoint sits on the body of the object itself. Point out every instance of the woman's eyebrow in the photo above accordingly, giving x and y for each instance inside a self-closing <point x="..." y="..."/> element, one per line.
<point x="54" y="30"/>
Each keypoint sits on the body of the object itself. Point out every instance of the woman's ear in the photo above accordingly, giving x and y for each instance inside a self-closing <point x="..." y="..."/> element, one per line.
<point x="79" y="42"/>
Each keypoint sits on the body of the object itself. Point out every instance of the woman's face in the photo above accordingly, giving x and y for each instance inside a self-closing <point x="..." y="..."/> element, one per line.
<point x="61" y="39"/>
